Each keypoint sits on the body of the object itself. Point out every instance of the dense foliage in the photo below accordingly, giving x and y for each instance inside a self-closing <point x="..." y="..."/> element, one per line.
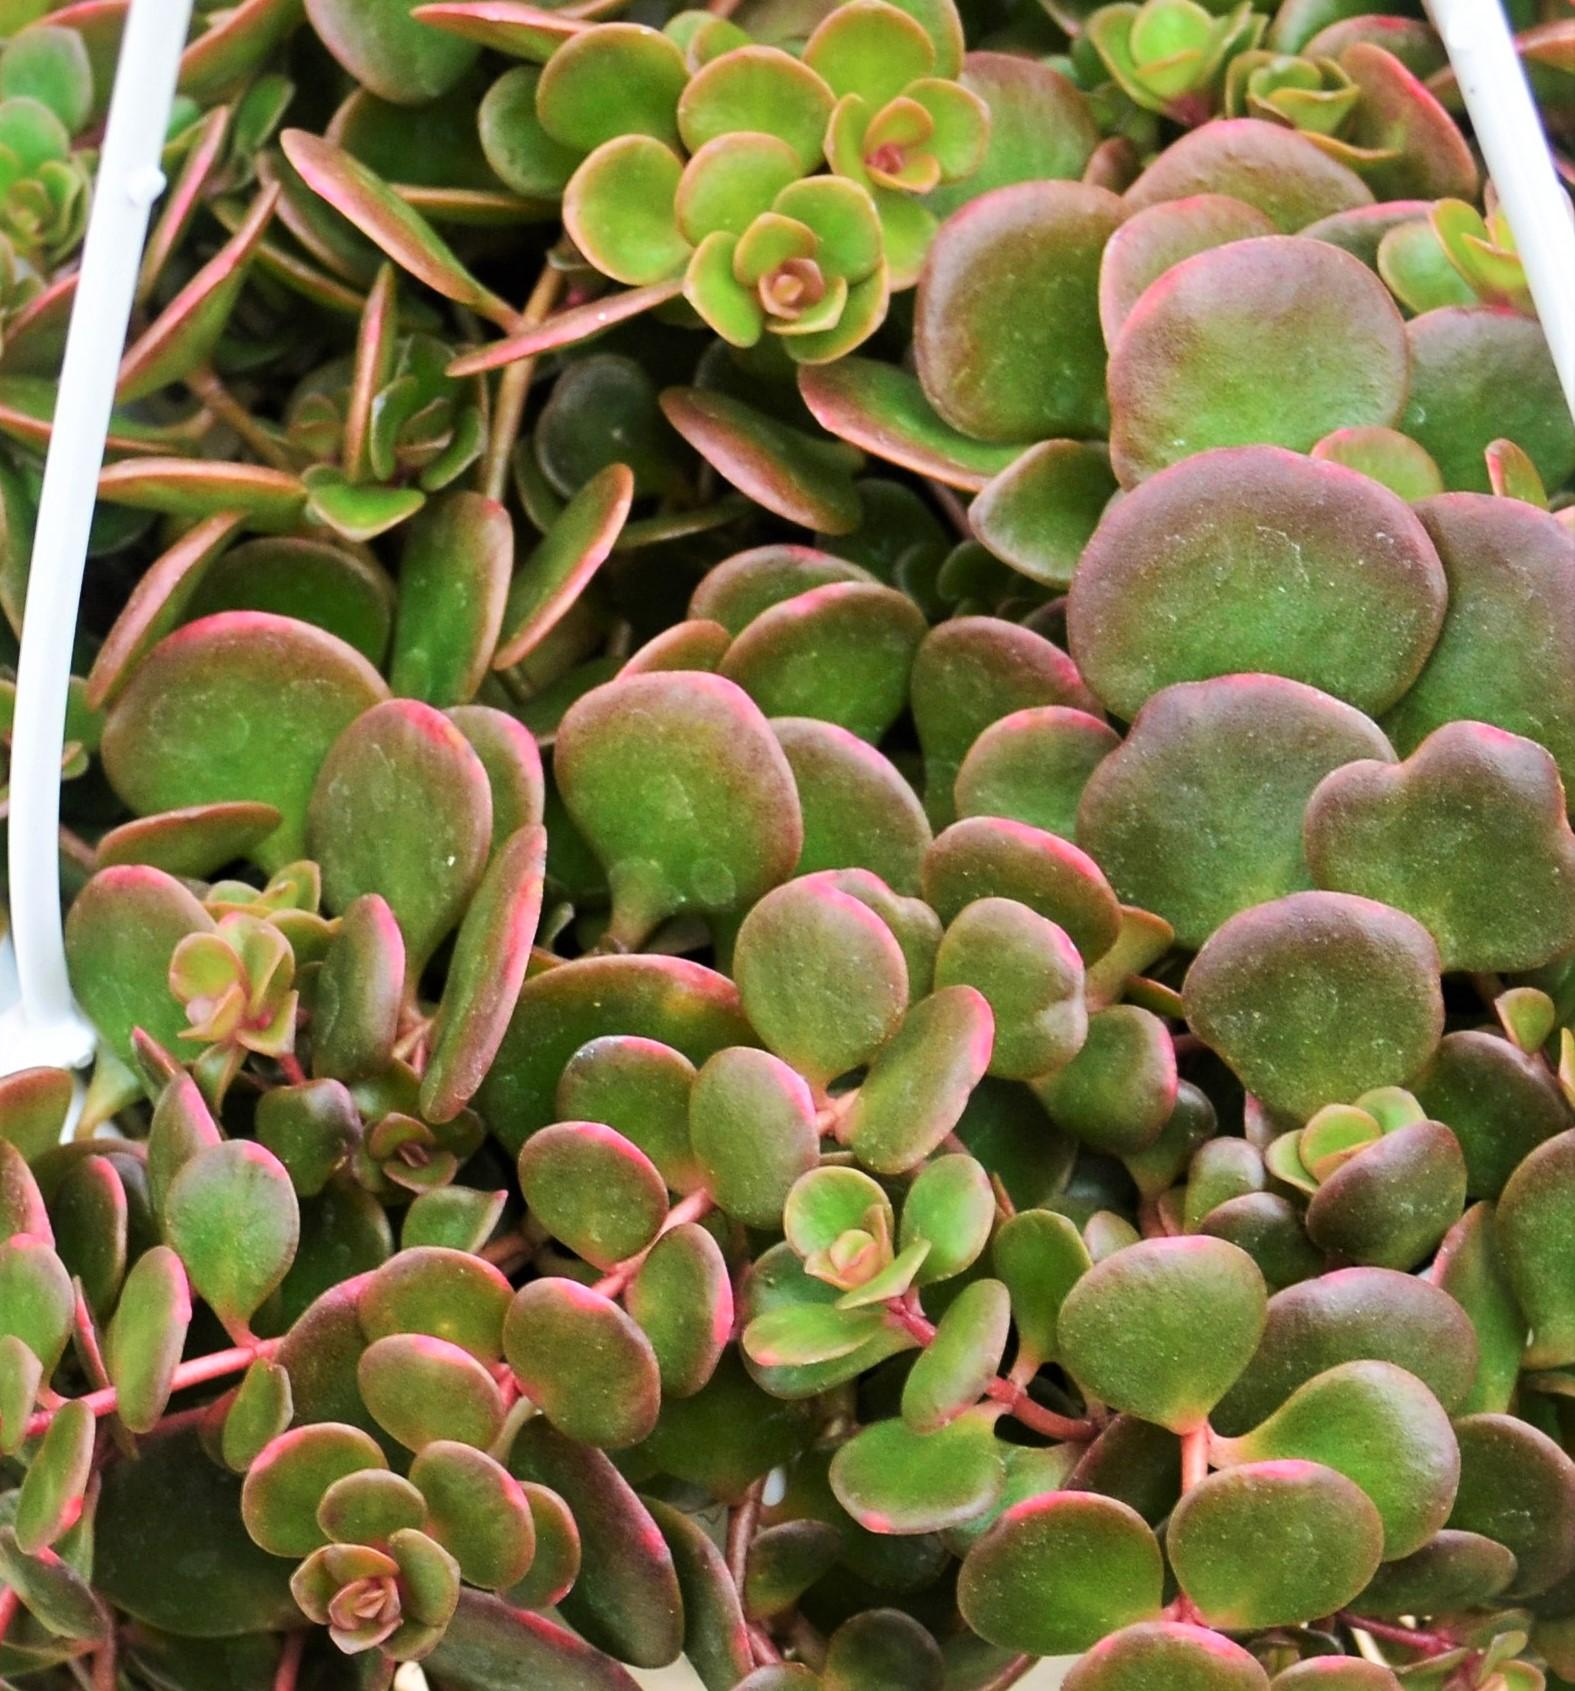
<point x="816" y="820"/>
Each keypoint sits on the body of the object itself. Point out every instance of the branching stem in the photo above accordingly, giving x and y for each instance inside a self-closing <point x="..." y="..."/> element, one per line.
<point x="910" y="1319"/>
<point x="691" y="1208"/>
<point x="198" y="1372"/>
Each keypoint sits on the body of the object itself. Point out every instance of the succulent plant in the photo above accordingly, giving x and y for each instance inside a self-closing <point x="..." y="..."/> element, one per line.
<point x="817" y="822"/>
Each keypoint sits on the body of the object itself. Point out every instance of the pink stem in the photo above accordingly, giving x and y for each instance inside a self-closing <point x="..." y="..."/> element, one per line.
<point x="197" y="1372"/>
<point x="1194" y="1458"/>
<point x="9" y="1604"/>
<point x="906" y="1315"/>
<point x="289" y="1668"/>
<point x="1428" y="1643"/>
<point x="685" y="1210"/>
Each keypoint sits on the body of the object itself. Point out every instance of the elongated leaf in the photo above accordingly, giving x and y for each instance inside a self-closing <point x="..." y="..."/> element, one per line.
<point x="388" y="222"/>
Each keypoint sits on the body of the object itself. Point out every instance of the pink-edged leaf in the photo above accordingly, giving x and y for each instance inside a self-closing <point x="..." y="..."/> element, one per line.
<point x="486" y="973"/>
<point x="388" y="222"/>
<point x="567" y="328"/>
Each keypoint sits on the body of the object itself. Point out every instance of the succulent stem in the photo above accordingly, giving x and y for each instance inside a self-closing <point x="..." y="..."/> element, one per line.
<point x="509" y="405"/>
<point x="691" y="1208"/>
<point x="1412" y="1638"/>
<point x="199" y="1371"/>
<point x="1194" y="1457"/>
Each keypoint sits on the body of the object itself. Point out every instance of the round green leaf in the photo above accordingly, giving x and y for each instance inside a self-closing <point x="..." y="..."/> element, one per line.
<point x="1198" y="815"/>
<point x="1480" y="798"/>
<point x="1516" y="1486"/>
<point x="1039" y="513"/>
<point x="400" y="760"/>
<point x="892" y="1479"/>
<point x="1356" y="989"/>
<point x="1164" y="1328"/>
<point x="395" y="55"/>
<point x="821" y="977"/>
<point x="1347" y="1316"/>
<point x="752" y="1127"/>
<point x="1341" y="332"/>
<point x="1253" y="559"/>
<point x="879" y="1650"/>
<point x="1159" y="236"/>
<point x="1238" y="1544"/>
<point x="859" y="812"/>
<point x="50" y="1498"/>
<point x="919" y="1082"/>
<point x="1060" y="1572"/>
<point x="1033" y="766"/>
<point x="146" y="1336"/>
<point x="1377" y="1425"/>
<point x="1393" y="1202"/>
<point x="592" y="1189"/>
<point x="1006" y="376"/>
<point x="1030" y="974"/>
<point x="287" y="1481"/>
<point x="972" y="672"/>
<point x="1283" y="173"/>
<point x="446" y="1294"/>
<point x="1532" y="1224"/>
<point x="1166" y="1656"/>
<point x="1040" y="1256"/>
<point x="120" y="933"/>
<point x="231" y="1214"/>
<point x="1500" y="658"/>
<point x="951" y="1374"/>
<point x="272" y="696"/>
<point x="1118" y="1091"/>
<point x="418" y="1389"/>
<point x="453" y="578"/>
<point x="841" y="653"/>
<point x="617" y="79"/>
<point x="682" y="1298"/>
<point x="950" y="1207"/>
<point x="991" y="857"/>
<point x="583" y="1361"/>
<point x="359" y="993"/>
<point x="1481" y="374"/>
<point x="683" y="792"/>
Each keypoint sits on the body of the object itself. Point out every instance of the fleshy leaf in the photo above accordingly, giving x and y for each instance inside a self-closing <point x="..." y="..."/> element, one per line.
<point x="232" y="1216"/>
<point x="584" y="1362"/>
<point x="272" y="695"/>
<point x="821" y="977"/>
<point x="487" y="969"/>
<point x="752" y="1126"/>
<point x="892" y="1479"/>
<point x="1357" y="994"/>
<point x="402" y="759"/>
<point x="1057" y="1573"/>
<point x="1164" y="1328"/>
<point x="683" y="792"/>
<point x="1238" y="1543"/>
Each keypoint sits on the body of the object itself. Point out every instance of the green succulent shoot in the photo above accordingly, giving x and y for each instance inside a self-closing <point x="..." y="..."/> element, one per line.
<point x="1316" y="96"/>
<point x="237" y="987"/>
<point x="1170" y="56"/>
<point x="46" y="99"/>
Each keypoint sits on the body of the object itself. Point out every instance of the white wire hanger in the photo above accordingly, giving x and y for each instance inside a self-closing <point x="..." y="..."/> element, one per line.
<point x="45" y="1026"/>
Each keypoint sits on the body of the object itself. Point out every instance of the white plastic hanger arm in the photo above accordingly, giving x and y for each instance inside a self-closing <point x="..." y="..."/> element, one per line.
<point x="1493" y="84"/>
<point x="46" y="1026"/>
